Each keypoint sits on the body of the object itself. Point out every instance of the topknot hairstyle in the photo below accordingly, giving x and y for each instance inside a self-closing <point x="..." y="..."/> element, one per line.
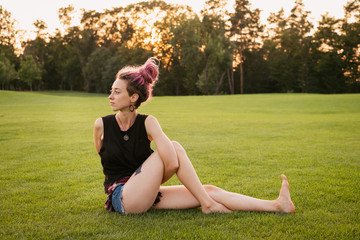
<point x="141" y="79"/>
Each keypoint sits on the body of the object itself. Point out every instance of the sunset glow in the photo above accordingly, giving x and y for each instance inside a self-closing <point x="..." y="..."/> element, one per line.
<point x="47" y="10"/>
<point x="204" y="47"/>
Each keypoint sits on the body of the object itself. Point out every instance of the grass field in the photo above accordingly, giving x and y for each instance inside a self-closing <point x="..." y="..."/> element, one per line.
<point x="51" y="177"/>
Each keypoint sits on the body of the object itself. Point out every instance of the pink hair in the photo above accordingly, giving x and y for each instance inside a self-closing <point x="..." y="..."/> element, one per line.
<point x="141" y="79"/>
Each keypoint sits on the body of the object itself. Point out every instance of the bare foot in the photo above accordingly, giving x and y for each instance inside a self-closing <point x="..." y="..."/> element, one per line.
<point x="284" y="202"/>
<point x="215" y="207"/>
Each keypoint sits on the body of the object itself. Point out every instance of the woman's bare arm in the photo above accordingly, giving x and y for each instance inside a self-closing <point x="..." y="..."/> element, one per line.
<point x="164" y="147"/>
<point x="98" y="133"/>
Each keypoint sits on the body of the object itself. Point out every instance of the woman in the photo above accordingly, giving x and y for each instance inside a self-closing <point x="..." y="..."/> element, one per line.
<point x="134" y="173"/>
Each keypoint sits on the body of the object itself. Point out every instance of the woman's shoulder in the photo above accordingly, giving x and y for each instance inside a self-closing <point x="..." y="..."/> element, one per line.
<point x="108" y="119"/>
<point x="151" y="122"/>
<point x="148" y="118"/>
<point x="110" y="116"/>
<point x="145" y="117"/>
<point x="99" y="123"/>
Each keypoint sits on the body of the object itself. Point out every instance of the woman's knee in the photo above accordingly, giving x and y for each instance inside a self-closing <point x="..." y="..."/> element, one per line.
<point x="211" y="189"/>
<point x="179" y="151"/>
<point x="136" y="208"/>
<point x="178" y="148"/>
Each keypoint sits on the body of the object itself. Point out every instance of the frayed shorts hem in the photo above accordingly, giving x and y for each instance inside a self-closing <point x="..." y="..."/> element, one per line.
<point x="116" y="199"/>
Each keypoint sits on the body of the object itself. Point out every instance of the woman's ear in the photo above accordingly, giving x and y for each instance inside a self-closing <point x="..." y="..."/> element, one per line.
<point x="134" y="97"/>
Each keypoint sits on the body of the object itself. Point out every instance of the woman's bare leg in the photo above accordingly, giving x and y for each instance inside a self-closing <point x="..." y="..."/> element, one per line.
<point x="187" y="176"/>
<point x="232" y="201"/>
<point x="141" y="190"/>
<point x="235" y="201"/>
<point x="176" y="197"/>
<point x="179" y="197"/>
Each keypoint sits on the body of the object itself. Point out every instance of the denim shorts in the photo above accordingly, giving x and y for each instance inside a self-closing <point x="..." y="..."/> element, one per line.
<point x="116" y="199"/>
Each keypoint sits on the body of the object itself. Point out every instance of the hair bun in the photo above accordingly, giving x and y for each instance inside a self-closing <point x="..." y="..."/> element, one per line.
<point x="150" y="70"/>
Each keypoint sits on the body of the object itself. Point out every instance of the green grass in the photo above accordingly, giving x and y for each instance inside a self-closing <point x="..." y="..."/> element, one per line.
<point x="51" y="177"/>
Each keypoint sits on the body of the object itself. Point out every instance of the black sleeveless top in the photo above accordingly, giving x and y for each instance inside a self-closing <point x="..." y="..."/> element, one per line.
<point x="120" y="157"/>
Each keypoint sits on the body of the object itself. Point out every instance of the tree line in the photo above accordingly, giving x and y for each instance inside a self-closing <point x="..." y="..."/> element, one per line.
<point x="214" y="52"/>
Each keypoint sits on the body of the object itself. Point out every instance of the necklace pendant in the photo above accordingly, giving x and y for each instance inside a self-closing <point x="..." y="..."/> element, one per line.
<point x="126" y="137"/>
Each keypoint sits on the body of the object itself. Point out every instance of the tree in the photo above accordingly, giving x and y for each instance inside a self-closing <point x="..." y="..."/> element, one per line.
<point x="114" y="64"/>
<point x="245" y="32"/>
<point x="277" y="58"/>
<point x="199" y="54"/>
<point x="186" y="42"/>
<point x="289" y="49"/>
<point x="328" y="75"/>
<point x="61" y="67"/>
<point x="256" y="72"/>
<point x="352" y="10"/>
<point x="96" y="66"/>
<point x="8" y="35"/>
<point x="216" y="47"/>
<point x="7" y="28"/>
<point x="117" y="30"/>
<point x="176" y="43"/>
<point x="351" y="44"/>
<point x="36" y="48"/>
<point x="83" y="43"/>
<point x="40" y="26"/>
<point x="299" y="41"/>
<point x="7" y="72"/>
<point x="30" y="72"/>
<point x="65" y="15"/>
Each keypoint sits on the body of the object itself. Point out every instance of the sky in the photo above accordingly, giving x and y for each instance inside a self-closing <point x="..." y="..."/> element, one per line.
<point x="26" y="12"/>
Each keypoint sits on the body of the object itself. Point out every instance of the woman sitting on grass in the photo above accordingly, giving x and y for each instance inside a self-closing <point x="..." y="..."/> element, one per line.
<point x="134" y="172"/>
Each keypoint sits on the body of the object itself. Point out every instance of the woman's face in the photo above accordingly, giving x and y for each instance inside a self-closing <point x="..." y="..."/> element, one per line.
<point x="119" y="96"/>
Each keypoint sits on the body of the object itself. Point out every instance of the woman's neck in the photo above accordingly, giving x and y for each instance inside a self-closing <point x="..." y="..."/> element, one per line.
<point x="126" y="119"/>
